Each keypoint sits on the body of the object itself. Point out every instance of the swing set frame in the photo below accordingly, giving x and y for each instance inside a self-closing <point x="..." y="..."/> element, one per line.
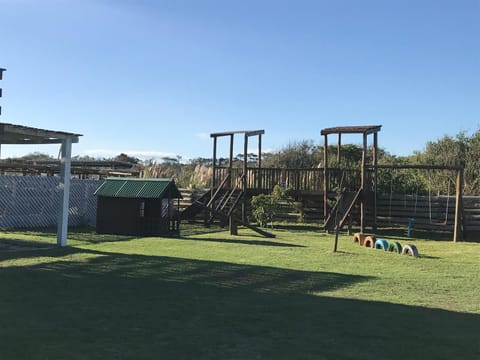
<point x="458" y="222"/>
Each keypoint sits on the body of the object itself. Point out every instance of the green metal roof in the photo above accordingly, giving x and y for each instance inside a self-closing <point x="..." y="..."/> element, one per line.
<point x="138" y="188"/>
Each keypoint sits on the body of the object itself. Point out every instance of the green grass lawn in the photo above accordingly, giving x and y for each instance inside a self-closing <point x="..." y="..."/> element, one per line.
<point x="209" y="295"/>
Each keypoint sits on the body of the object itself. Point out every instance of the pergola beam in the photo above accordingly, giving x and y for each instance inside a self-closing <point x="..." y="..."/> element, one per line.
<point x="245" y="132"/>
<point x="18" y="134"/>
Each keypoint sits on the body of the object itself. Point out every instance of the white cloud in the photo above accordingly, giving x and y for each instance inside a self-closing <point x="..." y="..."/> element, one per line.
<point x="203" y="136"/>
<point x="141" y="154"/>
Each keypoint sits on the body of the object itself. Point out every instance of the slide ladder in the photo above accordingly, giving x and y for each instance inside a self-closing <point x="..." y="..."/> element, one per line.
<point x="222" y="205"/>
<point x="344" y="205"/>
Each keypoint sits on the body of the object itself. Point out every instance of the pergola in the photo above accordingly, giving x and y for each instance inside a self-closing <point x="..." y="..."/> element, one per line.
<point x="22" y="135"/>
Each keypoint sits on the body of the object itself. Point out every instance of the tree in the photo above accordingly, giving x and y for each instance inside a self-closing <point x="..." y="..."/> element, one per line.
<point x="303" y="154"/>
<point x="472" y="165"/>
<point x="125" y="158"/>
<point x="37" y="156"/>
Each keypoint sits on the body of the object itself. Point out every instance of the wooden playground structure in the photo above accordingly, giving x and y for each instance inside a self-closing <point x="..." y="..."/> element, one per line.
<point x="342" y="192"/>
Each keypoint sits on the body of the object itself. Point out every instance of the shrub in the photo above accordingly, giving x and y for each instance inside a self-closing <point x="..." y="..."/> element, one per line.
<point x="265" y="207"/>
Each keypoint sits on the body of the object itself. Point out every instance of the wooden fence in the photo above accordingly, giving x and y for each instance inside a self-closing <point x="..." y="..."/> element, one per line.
<point x="425" y="212"/>
<point x="297" y="180"/>
<point x="434" y="213"/>
<point x="32" y="201"/>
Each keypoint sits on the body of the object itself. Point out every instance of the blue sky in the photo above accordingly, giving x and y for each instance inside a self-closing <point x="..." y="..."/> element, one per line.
<point x="156" y="77"/>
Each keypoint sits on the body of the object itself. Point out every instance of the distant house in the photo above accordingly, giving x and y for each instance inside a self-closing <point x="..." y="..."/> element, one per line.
<point x="142" y="207"/>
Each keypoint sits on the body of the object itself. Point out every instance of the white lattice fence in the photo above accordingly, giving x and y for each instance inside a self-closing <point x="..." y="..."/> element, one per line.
<point x="33" y="201"/>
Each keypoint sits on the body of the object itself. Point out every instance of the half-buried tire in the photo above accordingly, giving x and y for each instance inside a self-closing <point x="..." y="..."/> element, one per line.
<point x="369" y="241"/>
<point x="410" y="250"/>
<point x="395" y="246"/>
<point x="381" y="244"/>
<point x="359" y="238"/>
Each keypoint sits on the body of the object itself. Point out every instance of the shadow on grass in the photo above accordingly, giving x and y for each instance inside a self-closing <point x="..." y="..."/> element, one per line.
<point x="106" y="306"/>
<point x="13" y="244"/>
<point x="401" y="234"/>
<point x="198" y="228"/>
<point x="83" y="234"/>
<point x="237" y="240"/>
<point x="22" y="249"/>
<point x="298" y="227"/>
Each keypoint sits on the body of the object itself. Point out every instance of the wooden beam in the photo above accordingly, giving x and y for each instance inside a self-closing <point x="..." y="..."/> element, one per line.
<point x="254" y="132"/>
<point x="375" y="178"/>
<point x="367" y="129"/>
<point x="362" y="184"/>
<point x="230" y="159"/>
<point x="17" y="134"/>
<point x="244" y="178"/>
<point x="230" y="156"/>
<point x="26" y="131"/>
<point x="325" y="177"/>
<point x="419" y="167"/>
<point x="214" y="164"/>
<point x="259" y="180"/>
<point x="245" y="132"/>
<point x="29" y="141"/>
<point x="259" y="151"/>
<point x="339" y="149"/>
<point x="458" y="226"/>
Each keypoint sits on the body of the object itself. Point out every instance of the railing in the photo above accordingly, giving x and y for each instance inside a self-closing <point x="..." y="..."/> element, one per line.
<point x="265" y="179"/>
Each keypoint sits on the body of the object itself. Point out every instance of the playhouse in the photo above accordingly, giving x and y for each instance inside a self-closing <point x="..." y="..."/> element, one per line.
<point x="141" y="207"/>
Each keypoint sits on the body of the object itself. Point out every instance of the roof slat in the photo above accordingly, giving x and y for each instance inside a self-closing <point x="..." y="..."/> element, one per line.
<point x="138" y="188"/>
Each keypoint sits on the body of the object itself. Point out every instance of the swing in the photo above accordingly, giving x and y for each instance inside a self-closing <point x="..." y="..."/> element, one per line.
<point x="393" y="176"/>
<point x="445" y="221"/>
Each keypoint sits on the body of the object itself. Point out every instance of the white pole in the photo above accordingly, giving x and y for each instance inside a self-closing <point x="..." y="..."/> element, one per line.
<point x="65" y="165"/>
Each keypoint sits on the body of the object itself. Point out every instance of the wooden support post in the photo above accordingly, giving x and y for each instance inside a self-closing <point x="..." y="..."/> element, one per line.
<point x="214" y="179"/>
<point x="375" y="177"/>
<point x="458" y="227"/>
<point x="260" y="151"/>
<point x="244" y="181"/>
<point x="233" y="226"/>
<point x="339" y="147"/>
<point x="362" y="184"/>
<point x="230" y="161"/>
<point x="338" y="215"/>
<point x="214" y="164"/>
<point x="259" y="185"/>
<point x="325" y="177"/>
<point x="65" y="165"/>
